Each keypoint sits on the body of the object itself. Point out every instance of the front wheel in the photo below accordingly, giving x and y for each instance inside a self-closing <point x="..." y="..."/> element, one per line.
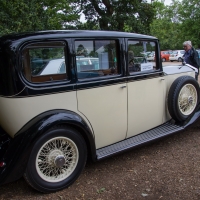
<point x="163" y="59"/>
<point x="56" y="160"/>
<point x="183" y="98"/>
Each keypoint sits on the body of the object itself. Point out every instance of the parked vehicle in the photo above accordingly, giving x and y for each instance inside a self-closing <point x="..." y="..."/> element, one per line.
<point x="69" y="95"/>
<point x="146" y="53"/>
<point x="177" y="55"/>
<point x="165" y="55"/>
<point x="151" y="56"/>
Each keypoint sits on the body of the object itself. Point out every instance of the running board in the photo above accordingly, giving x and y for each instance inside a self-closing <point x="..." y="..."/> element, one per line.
<point x="148" y="136"/>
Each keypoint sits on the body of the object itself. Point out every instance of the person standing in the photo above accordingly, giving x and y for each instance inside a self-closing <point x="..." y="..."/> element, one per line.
<point x="191" y="56"/>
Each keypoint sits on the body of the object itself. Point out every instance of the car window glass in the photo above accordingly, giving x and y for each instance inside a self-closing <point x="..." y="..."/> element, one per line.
<point x="96" y="58"/>
<point x="138" y="59"/>
<point x="44" y="62"/>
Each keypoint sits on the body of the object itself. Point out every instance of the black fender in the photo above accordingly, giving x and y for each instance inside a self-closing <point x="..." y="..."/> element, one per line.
<point x="17" y="154"/>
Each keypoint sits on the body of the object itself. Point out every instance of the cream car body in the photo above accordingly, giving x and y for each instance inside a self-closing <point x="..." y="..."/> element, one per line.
<point x="66" y="95"/>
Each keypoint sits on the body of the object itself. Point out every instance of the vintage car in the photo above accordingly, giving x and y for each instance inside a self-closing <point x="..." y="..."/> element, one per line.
<point x="66" y="96"/>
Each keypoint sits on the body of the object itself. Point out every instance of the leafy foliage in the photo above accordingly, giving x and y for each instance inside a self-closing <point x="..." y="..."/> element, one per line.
<point x="166" y="26"/>
<point x="121" y="15"/>
<point x="172" y="24"/>
<point x="33" y="15"/>
<point x="190" y="18"/>
<point x="177" y="23"/>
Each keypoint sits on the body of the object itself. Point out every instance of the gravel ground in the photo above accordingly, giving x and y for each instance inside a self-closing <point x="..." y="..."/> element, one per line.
<point x="167" y="169"/>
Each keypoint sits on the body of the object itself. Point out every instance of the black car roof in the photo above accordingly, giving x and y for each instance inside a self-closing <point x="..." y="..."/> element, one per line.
<point x="73" y="33"/>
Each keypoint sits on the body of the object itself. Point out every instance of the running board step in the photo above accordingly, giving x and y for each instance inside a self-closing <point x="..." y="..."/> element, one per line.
<point x="158" y="132"/>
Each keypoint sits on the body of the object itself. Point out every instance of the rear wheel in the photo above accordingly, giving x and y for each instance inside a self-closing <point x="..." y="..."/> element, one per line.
<point x="56" y="160"/>
<point x="163" y="59"/>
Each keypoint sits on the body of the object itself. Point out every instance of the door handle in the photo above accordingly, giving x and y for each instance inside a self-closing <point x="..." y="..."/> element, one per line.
<point x="123" y="86"/>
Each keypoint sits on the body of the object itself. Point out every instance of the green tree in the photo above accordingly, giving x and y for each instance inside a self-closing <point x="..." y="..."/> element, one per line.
<point x="33" y="15"/>
<point x="167" y="25"/>
<point x="177" y="23"/>
<point x="82" y="26"/>
<point x="121" y="15"/>
<point x="190" y="19"/>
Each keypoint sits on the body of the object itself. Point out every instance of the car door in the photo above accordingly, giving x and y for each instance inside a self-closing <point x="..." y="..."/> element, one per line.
<point x="102" y="88"/>
<point x="146" y="87"/>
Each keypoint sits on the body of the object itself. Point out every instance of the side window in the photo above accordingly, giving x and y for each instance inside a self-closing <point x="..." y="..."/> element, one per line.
<point x="96" y="58"/>
<point x="43" y="62"/>
<point x="182" y="52"/>
<point x="170" y="52"/>
<point x="141" y="56"/>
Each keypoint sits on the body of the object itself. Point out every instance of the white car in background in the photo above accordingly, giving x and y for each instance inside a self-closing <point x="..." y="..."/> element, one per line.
<point x="177" y="55"/>
<point x="151" y="56"/>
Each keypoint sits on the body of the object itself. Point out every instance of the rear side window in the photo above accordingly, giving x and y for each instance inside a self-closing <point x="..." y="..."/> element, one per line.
<point x="44" y="62"/>
<point x="140" y="56"/>
<point x="96" y="58"/>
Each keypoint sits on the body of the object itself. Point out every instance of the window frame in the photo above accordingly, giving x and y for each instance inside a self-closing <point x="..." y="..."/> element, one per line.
<point x="118" y="55"/>
<point x="59" y="81"/>
<point x="157" y="58"/>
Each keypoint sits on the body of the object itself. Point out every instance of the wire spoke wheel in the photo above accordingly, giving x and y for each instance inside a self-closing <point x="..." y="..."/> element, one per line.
<point x="57" y="159"/>
<point x="187" y="99"/>
<point x="183" y="98"/>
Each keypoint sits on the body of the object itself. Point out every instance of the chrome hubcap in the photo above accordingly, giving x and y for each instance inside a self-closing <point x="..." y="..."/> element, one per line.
<point x="53" y="157"/>
<point x="59" y="161"/>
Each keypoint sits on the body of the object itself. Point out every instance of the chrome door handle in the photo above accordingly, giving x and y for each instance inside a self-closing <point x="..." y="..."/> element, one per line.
<point x="123" y="86"/>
